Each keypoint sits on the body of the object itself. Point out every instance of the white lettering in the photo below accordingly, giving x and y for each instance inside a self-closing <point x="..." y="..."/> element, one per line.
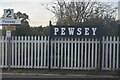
<point x="86" y="31"/>
<point x="56" y="30"/>
<point x="62" y="31"/>
<point x="75" y="31"/>
<point x="8" y="21"/>
<point x="71" y="31"/>
<point x="94" y="31"/>
<point x="79" y="31"/>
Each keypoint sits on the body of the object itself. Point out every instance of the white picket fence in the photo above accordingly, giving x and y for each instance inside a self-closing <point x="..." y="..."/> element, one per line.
<point x="74" y="53"/>
<point x="27" y="52"/>
<point x="67" y="53"/>
<point x="111" y="53"/>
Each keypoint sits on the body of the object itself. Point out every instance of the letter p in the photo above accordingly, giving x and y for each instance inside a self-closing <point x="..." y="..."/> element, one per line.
<point x="56" y="30"/>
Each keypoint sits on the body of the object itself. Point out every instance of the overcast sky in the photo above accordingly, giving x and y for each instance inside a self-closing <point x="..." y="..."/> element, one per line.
<point x="38" y="14"/>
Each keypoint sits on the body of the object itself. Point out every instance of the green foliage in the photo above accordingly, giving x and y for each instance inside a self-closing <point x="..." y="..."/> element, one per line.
<point x="25" y="30"/>
<point x="22" y="30"/>
<point x="39" y="31"/>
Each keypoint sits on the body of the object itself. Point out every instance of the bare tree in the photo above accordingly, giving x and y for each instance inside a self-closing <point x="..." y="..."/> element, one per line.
<point x="82" y="13"/>
<point x="91" y="13"/>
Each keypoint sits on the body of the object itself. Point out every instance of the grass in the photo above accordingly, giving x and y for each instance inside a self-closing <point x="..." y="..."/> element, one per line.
<point x="63" y="72"/>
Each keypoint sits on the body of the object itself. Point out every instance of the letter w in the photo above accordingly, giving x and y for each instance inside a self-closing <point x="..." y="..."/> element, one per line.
<point x="71" y="31"/>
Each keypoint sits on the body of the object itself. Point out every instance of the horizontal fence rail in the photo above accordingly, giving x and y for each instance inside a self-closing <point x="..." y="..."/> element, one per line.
<point x="66" y="53"/>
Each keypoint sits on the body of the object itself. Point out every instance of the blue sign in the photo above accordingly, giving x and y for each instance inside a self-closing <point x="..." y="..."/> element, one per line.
<point x="75" y="31"/>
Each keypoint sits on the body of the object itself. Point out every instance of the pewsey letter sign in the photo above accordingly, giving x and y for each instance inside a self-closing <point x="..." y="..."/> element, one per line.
<point x="75" y="31"/>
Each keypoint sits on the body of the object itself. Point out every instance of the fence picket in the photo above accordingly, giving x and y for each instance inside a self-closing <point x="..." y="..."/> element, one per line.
<point x="68" y="53"/>
<point x="106" y="66"/>
<point x="92" y="53"/>
<point x="82" y="54"/>
<point x="22" y="50"/>
<point x="32" y="60"/>
<point x="55" y="53"/>
<point x="3" y="51"/>
<point x="45" y="52"/>
<point x="52" y="52"/>
<point x="15" y="51"/>
<point x="25" y="51"/>
<point x="114" y="52"/>
<point x="118" y="62"/>
<point x="96" y="53"/>
<point x="19" y="52"/>
<point x="88" y="61"/>
<point x="75" y="58"/>
<point x="103" y="52"/>
<point x="110" y="54"/>
<point x="38" y="61"/>
<point x="65" y="54"/>
<point x="72" y="54"/>
<point x="6" y="52"/>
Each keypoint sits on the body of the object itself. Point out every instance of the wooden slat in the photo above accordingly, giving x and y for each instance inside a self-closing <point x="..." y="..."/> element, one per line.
<point x="103" y="53"/>
<point x="3" y="51"/>
<point x="65" y="54"/>
<point x="51" y="52"/>
<point x="72" y="54"/>
<point x="6" y="52"/>
<point x="110" y="54"/>
<point x="68" y="54"/>
<point x="19" y="52"/>
<point x="22" y="59"/>
<point x="82" y="54"/>
<point x="15" y="51"/>
<point x="38" y="56"/>
<point x="45" y="52"/>
<point x="32" y="60"/>
<point x="35" y="59"/>
<point x="54" y="53"/>
<point x="114" y="53"/>
<point x="28" y="54"/>
<point x="106" y="56"/>
<point x="79" y="48"/>
<point x="75" y="55"/>
<point x="85" y="57"/>
<point x="118" y="45"/>
<point x="89" y="53"/>
<point x="96" y="53"/>
<point x="61" y="53"/>
<point x="25" y="52"/>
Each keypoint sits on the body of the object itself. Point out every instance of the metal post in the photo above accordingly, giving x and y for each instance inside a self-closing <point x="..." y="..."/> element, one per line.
<point x="8" y="35"/>
<point x="9" y="53"/>
<point x="49" y="46"/>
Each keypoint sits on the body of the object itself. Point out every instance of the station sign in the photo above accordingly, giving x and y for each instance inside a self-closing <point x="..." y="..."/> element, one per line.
<point x="8" y="19"/>
<point x="75" y="31"/>
<point x="8" y="13"/>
